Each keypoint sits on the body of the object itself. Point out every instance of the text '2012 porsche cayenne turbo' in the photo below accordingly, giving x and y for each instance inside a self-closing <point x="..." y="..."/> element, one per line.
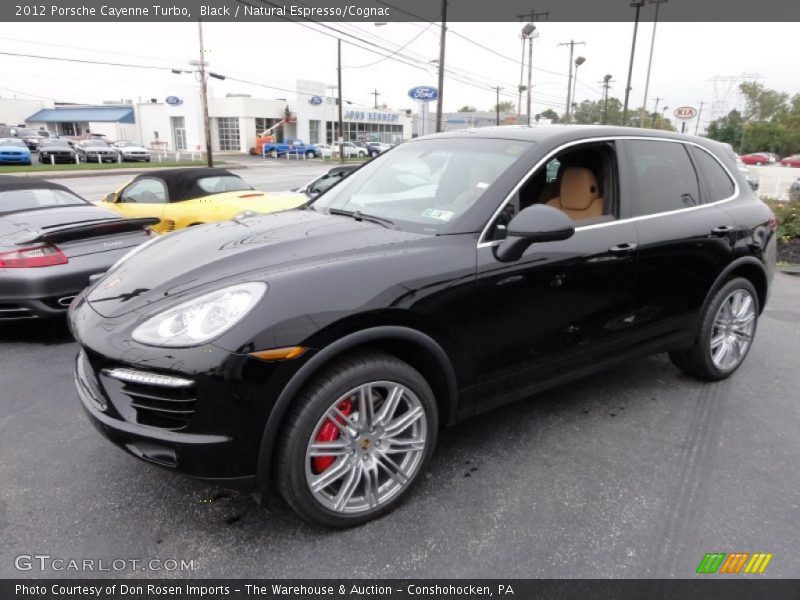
<point x="322" y="349"/>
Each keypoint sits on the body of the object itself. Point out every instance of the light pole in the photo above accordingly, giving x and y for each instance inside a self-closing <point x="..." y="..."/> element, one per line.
<point x="606" y="85"/>
<point x="571" y="44"/>
<point x="638" y="6"/>
<point x="527" y="34"/>
<point x="658" y="4"/>
<point x="442" y="39"/>
<point x="578" y="62"/>
<point x="497" y="106"/>
<point x="204" y="96"/>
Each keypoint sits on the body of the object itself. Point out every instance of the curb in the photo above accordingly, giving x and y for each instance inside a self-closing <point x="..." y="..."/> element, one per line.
<point x="105" y="172"/>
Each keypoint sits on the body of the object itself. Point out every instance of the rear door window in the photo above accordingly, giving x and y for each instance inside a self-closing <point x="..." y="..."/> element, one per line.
<point x="718" y="183"/>
<point x="663" y="177"/>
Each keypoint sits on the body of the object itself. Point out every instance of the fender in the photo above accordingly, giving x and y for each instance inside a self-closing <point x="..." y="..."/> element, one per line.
<point x="334" y="349"/>
<point x="749" y="261"/>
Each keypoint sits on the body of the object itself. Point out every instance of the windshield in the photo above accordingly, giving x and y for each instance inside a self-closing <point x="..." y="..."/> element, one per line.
<point x="126" y="144"/>
<point x="17" y="200"/>
<point x="49" y="143"/>
<point x="12" y="142"/>
<point x="423" y="186"/>
<point x="27" y="132"/>
<point x="95" y="143"/>
<point x="225" y="183"/>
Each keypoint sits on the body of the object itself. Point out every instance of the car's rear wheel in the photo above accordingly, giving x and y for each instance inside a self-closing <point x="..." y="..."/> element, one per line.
<point x="356" y="440"/>
<point x="758" y="163"/>
<point x="375" y="153"/>
<point x="727" y="329"/>
<point x="311" y="154"/>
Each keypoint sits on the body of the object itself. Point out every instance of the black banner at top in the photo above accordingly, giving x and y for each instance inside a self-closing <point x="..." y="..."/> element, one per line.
<point x="398" y="10"/>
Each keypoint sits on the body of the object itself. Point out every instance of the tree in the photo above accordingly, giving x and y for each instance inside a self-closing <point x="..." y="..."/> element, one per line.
<point x="762" y="104"/>
<point x="549" y="114"/>
<point x="591" y="112"/>
<point x="504" y="106"/>
<point x="727" y="129"/>
<point x="467" y="108"/>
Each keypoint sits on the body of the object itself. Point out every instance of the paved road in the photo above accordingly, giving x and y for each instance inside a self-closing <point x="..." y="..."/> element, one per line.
<point x="269" y="176"/>
<point x="632" y="473"/>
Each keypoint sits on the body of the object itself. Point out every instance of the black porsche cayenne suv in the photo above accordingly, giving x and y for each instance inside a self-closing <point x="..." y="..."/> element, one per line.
<point x="323" y="348"/>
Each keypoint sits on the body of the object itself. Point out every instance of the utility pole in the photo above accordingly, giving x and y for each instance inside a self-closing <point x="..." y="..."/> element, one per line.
<point x="375" y="93"/>
<point x="658" y="4"/>
<point x="204" y="96"/>
<point x="606" y="84"/>
<point x="638" y="6"/>
<point x="339" y="78"/>
<point x="442" y="39"/>
<point x="530" y="69"/>
<point x="655" y="113"/>
<point x="497" y="106"/>
<point x="571" y="44"/>
<point x="699" y="112"/>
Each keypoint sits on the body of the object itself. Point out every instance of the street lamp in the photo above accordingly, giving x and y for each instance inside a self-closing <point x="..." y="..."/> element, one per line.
<point x="606" y="85"/>
<point x="527" y="33"/>
<point x="578" y="62"/>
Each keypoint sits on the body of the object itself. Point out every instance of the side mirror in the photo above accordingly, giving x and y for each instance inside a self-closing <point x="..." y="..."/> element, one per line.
<point x="537" y="223"/>
<point x="112" y="197"/>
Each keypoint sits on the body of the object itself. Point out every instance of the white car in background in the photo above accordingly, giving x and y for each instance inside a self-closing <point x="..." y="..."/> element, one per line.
<point x="131" y="151"/>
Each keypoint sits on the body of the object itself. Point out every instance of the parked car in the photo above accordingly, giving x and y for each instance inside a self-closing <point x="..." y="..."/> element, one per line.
<point x="326" y="150"/>
<point x="31" y="137"/>
<point x="55" y="150"/>
<point x="326" y="181"/>
<point x="322" y="349"/>
<point x="352" y="149"/>
<point x="794" y="191"/>
<point x="14" y="151"/>
<point x="191" y="196"/>
<point x="791" y="161"/>
<point x="757" y="159"/>
<point x="131" y="151"/>
<point x="291" y="147"/>
<point x="95" y="151"/>
<point x="51" y="242"/>
<point x="376" y="148"/>
<point x="753" y="182"/>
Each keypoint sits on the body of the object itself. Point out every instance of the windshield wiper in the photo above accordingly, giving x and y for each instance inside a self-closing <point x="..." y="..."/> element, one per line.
<point x="359" y="216"/>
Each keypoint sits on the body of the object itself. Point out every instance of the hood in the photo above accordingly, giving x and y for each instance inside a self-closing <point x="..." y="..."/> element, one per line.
<point x="18" y="226"/>
<point x="232" y="251"/>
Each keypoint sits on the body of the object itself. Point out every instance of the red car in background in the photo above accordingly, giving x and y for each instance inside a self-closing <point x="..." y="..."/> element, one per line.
<point x="791" y="161"/>
<point x="756" y="158"/>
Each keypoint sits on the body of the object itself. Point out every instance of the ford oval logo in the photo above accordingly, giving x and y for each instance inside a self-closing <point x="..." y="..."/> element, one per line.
<point x="315" y="100"/>
<point x="423" y="93"/>
<point x="173" y="100"/>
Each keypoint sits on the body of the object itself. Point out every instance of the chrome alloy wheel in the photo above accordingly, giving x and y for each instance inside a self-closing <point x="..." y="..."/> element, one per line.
<point x="732" y="331"/>
<point x="366" y="448"/>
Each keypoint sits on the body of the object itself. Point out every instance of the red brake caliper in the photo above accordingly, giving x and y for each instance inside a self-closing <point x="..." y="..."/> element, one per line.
<point x="328" y="433"/>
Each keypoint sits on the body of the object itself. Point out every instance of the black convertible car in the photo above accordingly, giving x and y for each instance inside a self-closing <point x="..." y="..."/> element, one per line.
<point x="323" y="348"/>
<point x="51" y="242"/>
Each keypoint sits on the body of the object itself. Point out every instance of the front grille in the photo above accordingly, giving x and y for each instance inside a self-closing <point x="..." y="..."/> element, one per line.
<point x="15" y="311"/>
<point x="155" y="399"/>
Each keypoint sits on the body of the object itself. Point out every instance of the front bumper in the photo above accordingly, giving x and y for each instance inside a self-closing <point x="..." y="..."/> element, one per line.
<point x="211" y="430"/>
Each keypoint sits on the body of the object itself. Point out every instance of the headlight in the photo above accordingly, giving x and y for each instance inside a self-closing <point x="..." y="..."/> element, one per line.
<point x="200" y="319"/>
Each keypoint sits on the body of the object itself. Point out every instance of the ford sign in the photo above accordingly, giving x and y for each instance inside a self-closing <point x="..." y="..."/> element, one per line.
<point x="173" y="100"/>
<point x="423" y="93"/>
<point x="315" y="100"/>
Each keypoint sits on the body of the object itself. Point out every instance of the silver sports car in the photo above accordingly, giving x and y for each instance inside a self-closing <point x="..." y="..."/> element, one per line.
<point x="51" y="242"/>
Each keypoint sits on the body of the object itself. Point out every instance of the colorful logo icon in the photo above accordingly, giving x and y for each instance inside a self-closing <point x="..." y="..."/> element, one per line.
<point x="315" y="100"/>
<point x="173" y="100"/>
<point x="423" y="93"/>
<point x="733" y="563"/>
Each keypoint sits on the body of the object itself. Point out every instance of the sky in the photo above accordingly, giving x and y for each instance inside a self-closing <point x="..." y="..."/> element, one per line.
<point x="686" y="59"/>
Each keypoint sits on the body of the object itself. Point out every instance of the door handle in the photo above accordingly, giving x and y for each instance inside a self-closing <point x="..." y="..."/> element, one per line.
<point x="722" y="230"/>
<point x="624" y="248"/>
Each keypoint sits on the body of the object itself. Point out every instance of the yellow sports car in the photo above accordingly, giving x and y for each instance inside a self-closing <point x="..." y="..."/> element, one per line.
<point x="185" y="197"/>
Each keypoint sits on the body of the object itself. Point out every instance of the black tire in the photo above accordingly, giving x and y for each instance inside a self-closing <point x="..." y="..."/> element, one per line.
<point x="375" y="153"/>
<point x="311" y="405"/>
<point x="697" y="361"/>
<point x="311" y="154"/>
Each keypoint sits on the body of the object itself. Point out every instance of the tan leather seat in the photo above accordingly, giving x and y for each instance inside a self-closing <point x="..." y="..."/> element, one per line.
<point x="579" y="195"/>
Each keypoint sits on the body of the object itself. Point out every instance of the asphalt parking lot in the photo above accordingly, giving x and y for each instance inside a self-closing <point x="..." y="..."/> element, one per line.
<point x="637" y="472"/>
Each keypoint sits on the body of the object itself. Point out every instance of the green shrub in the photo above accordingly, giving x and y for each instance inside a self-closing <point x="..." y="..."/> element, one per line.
<point x="788" y="215"/>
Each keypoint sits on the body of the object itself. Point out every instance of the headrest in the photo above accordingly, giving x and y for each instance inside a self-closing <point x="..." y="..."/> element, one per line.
<point x="578" y="188"/>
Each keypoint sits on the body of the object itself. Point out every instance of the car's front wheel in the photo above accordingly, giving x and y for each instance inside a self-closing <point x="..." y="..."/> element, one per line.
<point x="356" y="440"/>
<point x="375" y="153"/>
<point x="311" y="154"/>
<point x="727" y="329"/>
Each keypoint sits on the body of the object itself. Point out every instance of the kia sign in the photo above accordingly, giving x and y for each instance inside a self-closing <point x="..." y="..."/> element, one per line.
<point x="173" y="100"/>
<point x="315" y="100"/>
<point x="423" y="93"/>
<point x="685" y="113"/>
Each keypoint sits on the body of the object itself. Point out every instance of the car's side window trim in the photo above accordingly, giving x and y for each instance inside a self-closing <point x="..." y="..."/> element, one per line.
<point x="486" y="244"/>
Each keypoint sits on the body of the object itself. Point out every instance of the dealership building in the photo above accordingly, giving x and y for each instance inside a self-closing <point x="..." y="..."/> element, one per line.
<point x="174" y="120"/>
